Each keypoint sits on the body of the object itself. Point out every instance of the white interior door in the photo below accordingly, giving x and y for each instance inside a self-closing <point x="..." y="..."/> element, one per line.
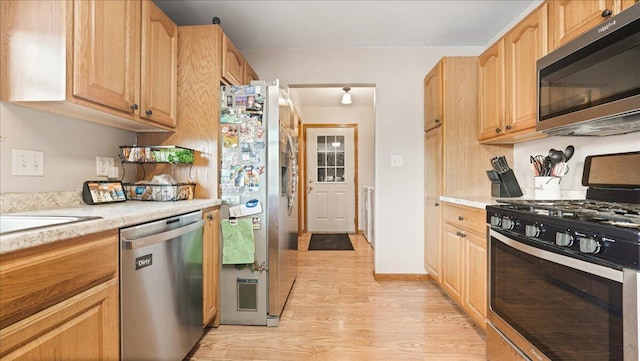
<point x="330" y="180"/>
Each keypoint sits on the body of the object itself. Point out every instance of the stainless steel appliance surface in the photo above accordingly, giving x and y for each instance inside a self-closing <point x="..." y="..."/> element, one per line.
<point x="258" y="181"/>
<point x="161" y="288"/>
<point x="564" y="274"/>
<point x="591" y="85"/>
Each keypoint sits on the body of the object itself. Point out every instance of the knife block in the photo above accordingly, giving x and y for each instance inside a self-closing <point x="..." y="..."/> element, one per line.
<point x="507" y="186"/>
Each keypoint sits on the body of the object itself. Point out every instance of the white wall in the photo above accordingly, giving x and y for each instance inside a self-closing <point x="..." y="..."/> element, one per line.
<point x="364" y="117"/>
<point x="70" y="148"/>
<point x="584" y="146"/>
<point x="397" y="74"/>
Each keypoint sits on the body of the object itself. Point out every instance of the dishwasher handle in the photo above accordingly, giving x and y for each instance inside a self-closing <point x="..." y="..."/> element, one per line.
<point x="161" y="237"/>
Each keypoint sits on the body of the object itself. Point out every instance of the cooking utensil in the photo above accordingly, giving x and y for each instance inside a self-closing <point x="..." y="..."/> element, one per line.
<point x="568" y="152"/>
<point x="556" y="156"/>
<point x="499" y="163"/>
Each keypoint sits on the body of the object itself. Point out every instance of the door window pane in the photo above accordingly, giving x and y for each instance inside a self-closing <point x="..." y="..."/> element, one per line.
<point x="331" y="158"/>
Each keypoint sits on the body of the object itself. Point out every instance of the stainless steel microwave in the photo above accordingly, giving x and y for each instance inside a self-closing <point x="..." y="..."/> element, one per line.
<point x="591" y="85"/>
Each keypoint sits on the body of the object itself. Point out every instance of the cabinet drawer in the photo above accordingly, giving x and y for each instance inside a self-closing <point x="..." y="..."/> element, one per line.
<point x="470" y="219"/>
<point x="36" y="278"/>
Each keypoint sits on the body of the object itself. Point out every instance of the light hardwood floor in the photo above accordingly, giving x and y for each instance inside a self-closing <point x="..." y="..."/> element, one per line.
<point x="337" y="311"/>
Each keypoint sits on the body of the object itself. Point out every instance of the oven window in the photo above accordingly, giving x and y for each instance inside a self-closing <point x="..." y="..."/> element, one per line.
<point x="602" y="72"/>
<point x="567" y="314"/>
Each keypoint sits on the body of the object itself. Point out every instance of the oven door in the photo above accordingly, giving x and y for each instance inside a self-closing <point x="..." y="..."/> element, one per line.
<point x="552" y="306"/>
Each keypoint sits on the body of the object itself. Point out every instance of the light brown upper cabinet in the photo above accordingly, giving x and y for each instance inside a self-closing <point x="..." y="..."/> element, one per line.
<point x="524" y="45"/>
<point x="570" y="18"/>
<point x="85" y="60"/>
<point x="126" y="60"/>
<point x="158" y="96"/>
<point x="249" y="74"/>
<point x="232" y="63"/>
<point x="508" y="82"/>
<point x="491" y="110"/>
<point x="433" y="97"/>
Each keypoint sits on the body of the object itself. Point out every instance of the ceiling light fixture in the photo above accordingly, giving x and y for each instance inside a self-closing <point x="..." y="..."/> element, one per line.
<point x="346" y="97"/>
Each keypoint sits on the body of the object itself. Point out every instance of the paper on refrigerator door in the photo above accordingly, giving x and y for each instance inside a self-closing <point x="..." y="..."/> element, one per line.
<point x="249" y="208"/>
<point x="237" y="241"/>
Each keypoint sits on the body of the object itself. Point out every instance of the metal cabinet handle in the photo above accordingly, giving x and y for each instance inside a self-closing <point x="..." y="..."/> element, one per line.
<point x="210" y="217"/>
<point x="437" y="120"/>
<point x="508" y="127"/>
<point x="134" y="106"/>
<point x="437" y="204"/>
<point x="606" y="13"/>
<point x="460" y="218"/>
<point x="461" y="234"/>
<point x="498" y="130"/>
<point x="148" y="112"/>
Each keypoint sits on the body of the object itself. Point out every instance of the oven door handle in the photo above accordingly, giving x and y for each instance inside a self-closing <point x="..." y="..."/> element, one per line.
<point x="592" y="268"/>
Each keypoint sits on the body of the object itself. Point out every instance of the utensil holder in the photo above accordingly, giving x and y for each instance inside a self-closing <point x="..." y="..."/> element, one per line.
<point x="547" y="188"/>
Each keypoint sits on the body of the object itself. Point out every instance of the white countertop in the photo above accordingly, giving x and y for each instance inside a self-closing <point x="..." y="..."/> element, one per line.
<point x="113" y="216"/>
<point x="482" y="202"/>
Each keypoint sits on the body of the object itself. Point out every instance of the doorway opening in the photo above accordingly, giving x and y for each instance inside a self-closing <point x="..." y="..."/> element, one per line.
<point x="320" y="110"/>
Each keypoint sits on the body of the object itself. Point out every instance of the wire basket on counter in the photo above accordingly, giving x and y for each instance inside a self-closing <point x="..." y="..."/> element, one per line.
<point x="159" y="192"/>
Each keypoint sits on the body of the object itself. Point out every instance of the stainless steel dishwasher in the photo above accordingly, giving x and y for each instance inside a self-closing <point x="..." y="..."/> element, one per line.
<point x="161" y="288"/>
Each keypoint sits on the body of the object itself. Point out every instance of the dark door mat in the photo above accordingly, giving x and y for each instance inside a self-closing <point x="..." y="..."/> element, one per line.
<point x="330" y="242"/>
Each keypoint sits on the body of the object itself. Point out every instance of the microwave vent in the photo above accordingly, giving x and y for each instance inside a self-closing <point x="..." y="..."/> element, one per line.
<point x="620" y="124"/>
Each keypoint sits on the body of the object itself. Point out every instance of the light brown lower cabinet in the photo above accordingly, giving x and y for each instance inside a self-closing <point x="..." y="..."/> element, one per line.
<point x="464" y="271"/>
<point x="211" y="267"/>
<point x="60" y="301"/>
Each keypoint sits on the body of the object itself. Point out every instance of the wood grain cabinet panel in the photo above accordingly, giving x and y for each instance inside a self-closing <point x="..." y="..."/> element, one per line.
<point x="158" y="95"/>
<point x="249" y="74"/>
<point x="571" y="18"/>
<point x="433" y="97"/>
<point x="84" y="327"/>
<point x="433" y="211"/>
<point x="211" y="267"/>
<point x="106" y="53"/>
<point x="37" y="278"/>
<point x="61" y="300"/>
<point x="491" y="111"/>
<point x="525" y="44"/>
<point x="453" y="264"/>
<point x="466" y="239"/>
<point x="91" y="59"/>
<point x="232" y="63"/>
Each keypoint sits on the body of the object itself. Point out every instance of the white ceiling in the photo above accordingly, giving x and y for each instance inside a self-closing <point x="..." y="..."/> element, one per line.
<point x="266" y="24"/>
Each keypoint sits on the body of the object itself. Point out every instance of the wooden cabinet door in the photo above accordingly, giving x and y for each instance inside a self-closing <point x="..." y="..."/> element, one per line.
<point x="211" y="268"/>
<point x="625" y="4"/>
<point x="525" y="44"/>
<point x="433" y="97"/>
<point x="249" y="74"/>
<point x="571" y="18"/>
<point x="475" y="295"/>
<point x="491" y="91"/>
<point x="84" y="327"/>
<point x="452" y="263"/>
<point x="106" y="53"/>
<point x="433" y="190"/>
<point x="232" y="63"/>
<point x="158" y="96"/>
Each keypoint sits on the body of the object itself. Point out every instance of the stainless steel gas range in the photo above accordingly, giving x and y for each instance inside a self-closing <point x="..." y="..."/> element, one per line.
<point x="564" y="275"/>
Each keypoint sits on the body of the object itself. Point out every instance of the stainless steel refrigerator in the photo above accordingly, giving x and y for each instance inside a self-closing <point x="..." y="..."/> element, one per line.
<point x="258" y="187"/>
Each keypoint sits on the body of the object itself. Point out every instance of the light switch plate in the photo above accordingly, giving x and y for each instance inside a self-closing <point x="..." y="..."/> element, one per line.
<point x="27" y="163"/>
<point x="396" y="160"/>
<point x="103" y="164"/>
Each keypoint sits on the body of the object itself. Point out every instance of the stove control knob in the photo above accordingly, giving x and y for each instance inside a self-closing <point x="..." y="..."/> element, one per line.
<point x="533" y="230"/>
<point x="589" y="245"/>
<point x="496" y="221"/>
<point x="564" y="239"/>
<point x="508" y="223"/>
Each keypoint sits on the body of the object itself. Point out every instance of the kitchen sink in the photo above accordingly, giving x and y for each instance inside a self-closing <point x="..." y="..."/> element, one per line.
<point x="14" y="223"/>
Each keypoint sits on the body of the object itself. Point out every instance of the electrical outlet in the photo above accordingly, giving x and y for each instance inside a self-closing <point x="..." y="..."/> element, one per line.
<point x="27" y="163"/>
<point x="103" y="164"/>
